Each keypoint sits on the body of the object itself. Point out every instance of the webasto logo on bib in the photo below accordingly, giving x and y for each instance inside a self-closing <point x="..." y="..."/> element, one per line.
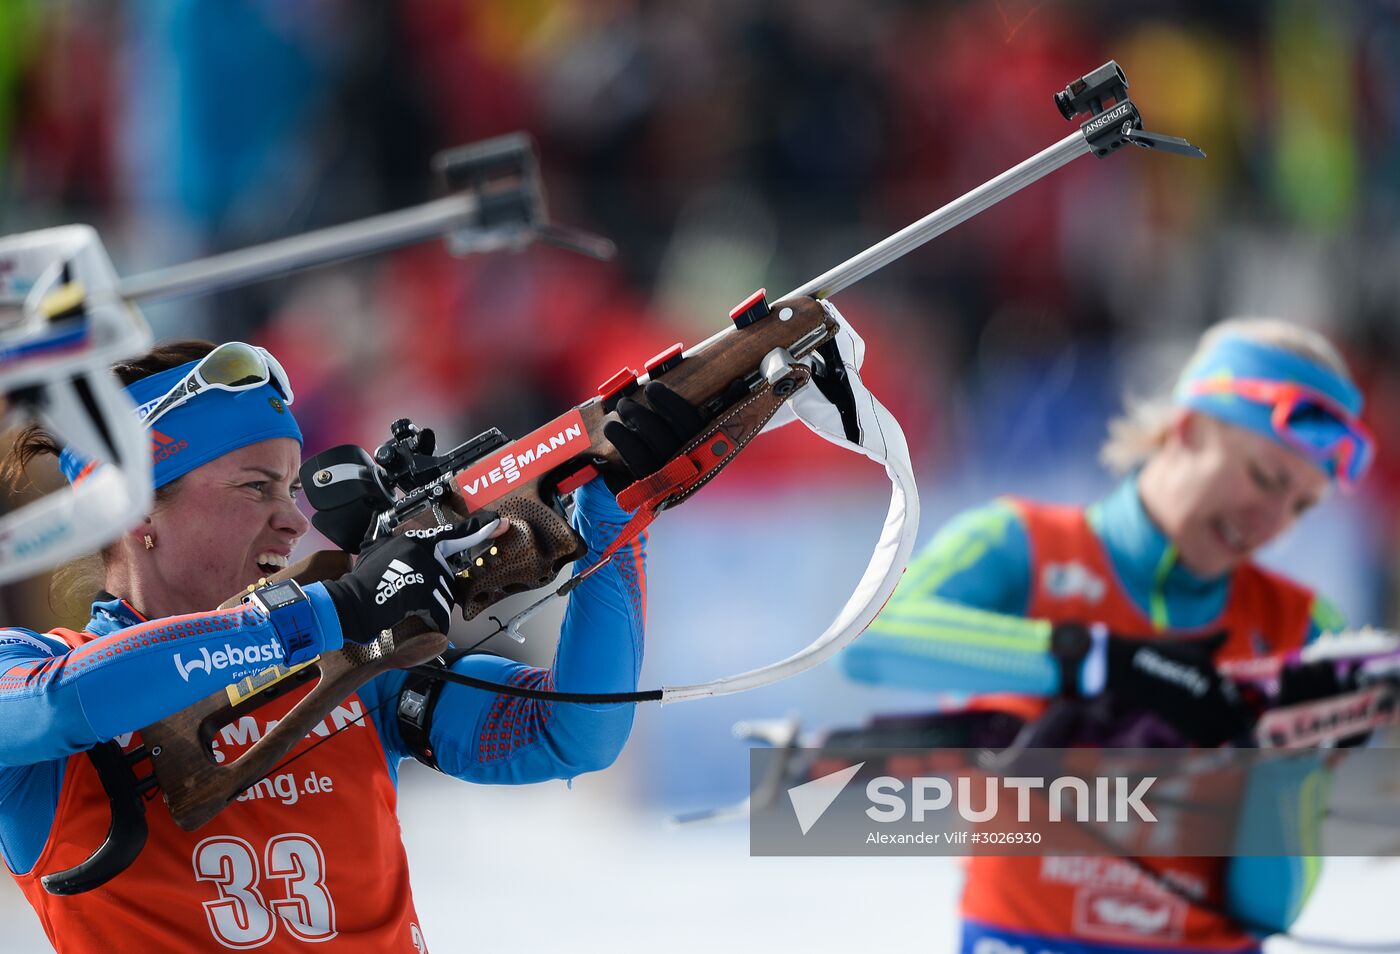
<point x="268" y="653"/>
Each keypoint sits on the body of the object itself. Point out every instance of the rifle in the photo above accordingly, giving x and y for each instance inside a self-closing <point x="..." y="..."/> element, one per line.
<point x="1366" y="664"/>
<point x="744" y="378"/>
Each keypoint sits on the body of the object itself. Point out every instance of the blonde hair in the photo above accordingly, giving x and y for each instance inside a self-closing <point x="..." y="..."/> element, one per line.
<point x="1142" y="428"/>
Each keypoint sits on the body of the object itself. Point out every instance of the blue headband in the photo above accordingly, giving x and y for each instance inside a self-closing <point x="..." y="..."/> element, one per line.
<point x="207" y="426"/>
<point x="1236" y="358"/>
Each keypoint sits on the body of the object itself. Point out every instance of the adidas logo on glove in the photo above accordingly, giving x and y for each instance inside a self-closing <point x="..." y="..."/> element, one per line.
<point x="396" y="576"/>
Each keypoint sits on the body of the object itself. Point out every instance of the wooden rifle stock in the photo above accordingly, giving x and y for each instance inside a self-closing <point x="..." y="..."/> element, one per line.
<point x="196" y="786"/>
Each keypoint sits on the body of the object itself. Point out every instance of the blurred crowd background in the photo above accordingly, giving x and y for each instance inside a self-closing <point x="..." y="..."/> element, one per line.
<point x="731" y="145"/>
<point x="727" y="146"/>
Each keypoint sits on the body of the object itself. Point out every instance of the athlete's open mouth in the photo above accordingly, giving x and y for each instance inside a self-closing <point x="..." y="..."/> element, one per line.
<point x="269" y="563"/>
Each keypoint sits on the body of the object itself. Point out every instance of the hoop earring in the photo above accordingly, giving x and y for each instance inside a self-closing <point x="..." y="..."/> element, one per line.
<point x="150" y="544"/>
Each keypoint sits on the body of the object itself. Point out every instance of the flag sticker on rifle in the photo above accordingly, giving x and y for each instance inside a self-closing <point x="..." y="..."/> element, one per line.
<point x="525" y="459"/>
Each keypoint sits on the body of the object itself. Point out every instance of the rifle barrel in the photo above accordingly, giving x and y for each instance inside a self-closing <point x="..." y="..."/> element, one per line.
<point x="936" y="223"/>
<point x="283" y="256"/>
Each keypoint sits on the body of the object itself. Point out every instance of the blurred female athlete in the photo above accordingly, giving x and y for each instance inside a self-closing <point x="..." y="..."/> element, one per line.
<point x="1133" y="599"/>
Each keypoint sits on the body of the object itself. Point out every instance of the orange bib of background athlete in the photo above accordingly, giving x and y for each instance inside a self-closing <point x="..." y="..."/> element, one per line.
<point x="1103" y="900"/>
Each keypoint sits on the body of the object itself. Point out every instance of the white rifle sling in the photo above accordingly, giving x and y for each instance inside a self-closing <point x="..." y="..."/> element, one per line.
<point x="881" y="440"/>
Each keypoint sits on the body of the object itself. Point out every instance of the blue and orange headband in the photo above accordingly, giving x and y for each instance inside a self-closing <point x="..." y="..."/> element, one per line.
<point x="1305" y="406"/>
<point x="207" y="426"/>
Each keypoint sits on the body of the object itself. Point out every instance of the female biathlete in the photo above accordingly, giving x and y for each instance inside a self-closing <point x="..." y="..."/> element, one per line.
<point x="311" y="858"/>
<point x="1135" y="598"/>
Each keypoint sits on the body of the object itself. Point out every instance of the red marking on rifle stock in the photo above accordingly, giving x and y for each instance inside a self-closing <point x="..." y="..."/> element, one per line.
<point x="663" y="361"/>
<point x="618" y="383"/>
<point x="577" y="479"/>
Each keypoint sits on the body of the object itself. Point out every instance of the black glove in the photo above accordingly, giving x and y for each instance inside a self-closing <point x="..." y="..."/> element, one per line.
<point x="1174" y="679"/>
<point x="403" y="576"/>
<point x="648" y="437"/>
<point x="1305" y="682"/>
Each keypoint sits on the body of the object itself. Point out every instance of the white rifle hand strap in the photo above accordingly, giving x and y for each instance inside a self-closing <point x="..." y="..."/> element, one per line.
<point x="882" y="440"/>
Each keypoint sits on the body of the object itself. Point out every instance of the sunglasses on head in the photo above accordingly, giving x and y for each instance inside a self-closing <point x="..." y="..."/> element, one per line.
<point x="1314" y="423"/>
<point x="229" y="367"/>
